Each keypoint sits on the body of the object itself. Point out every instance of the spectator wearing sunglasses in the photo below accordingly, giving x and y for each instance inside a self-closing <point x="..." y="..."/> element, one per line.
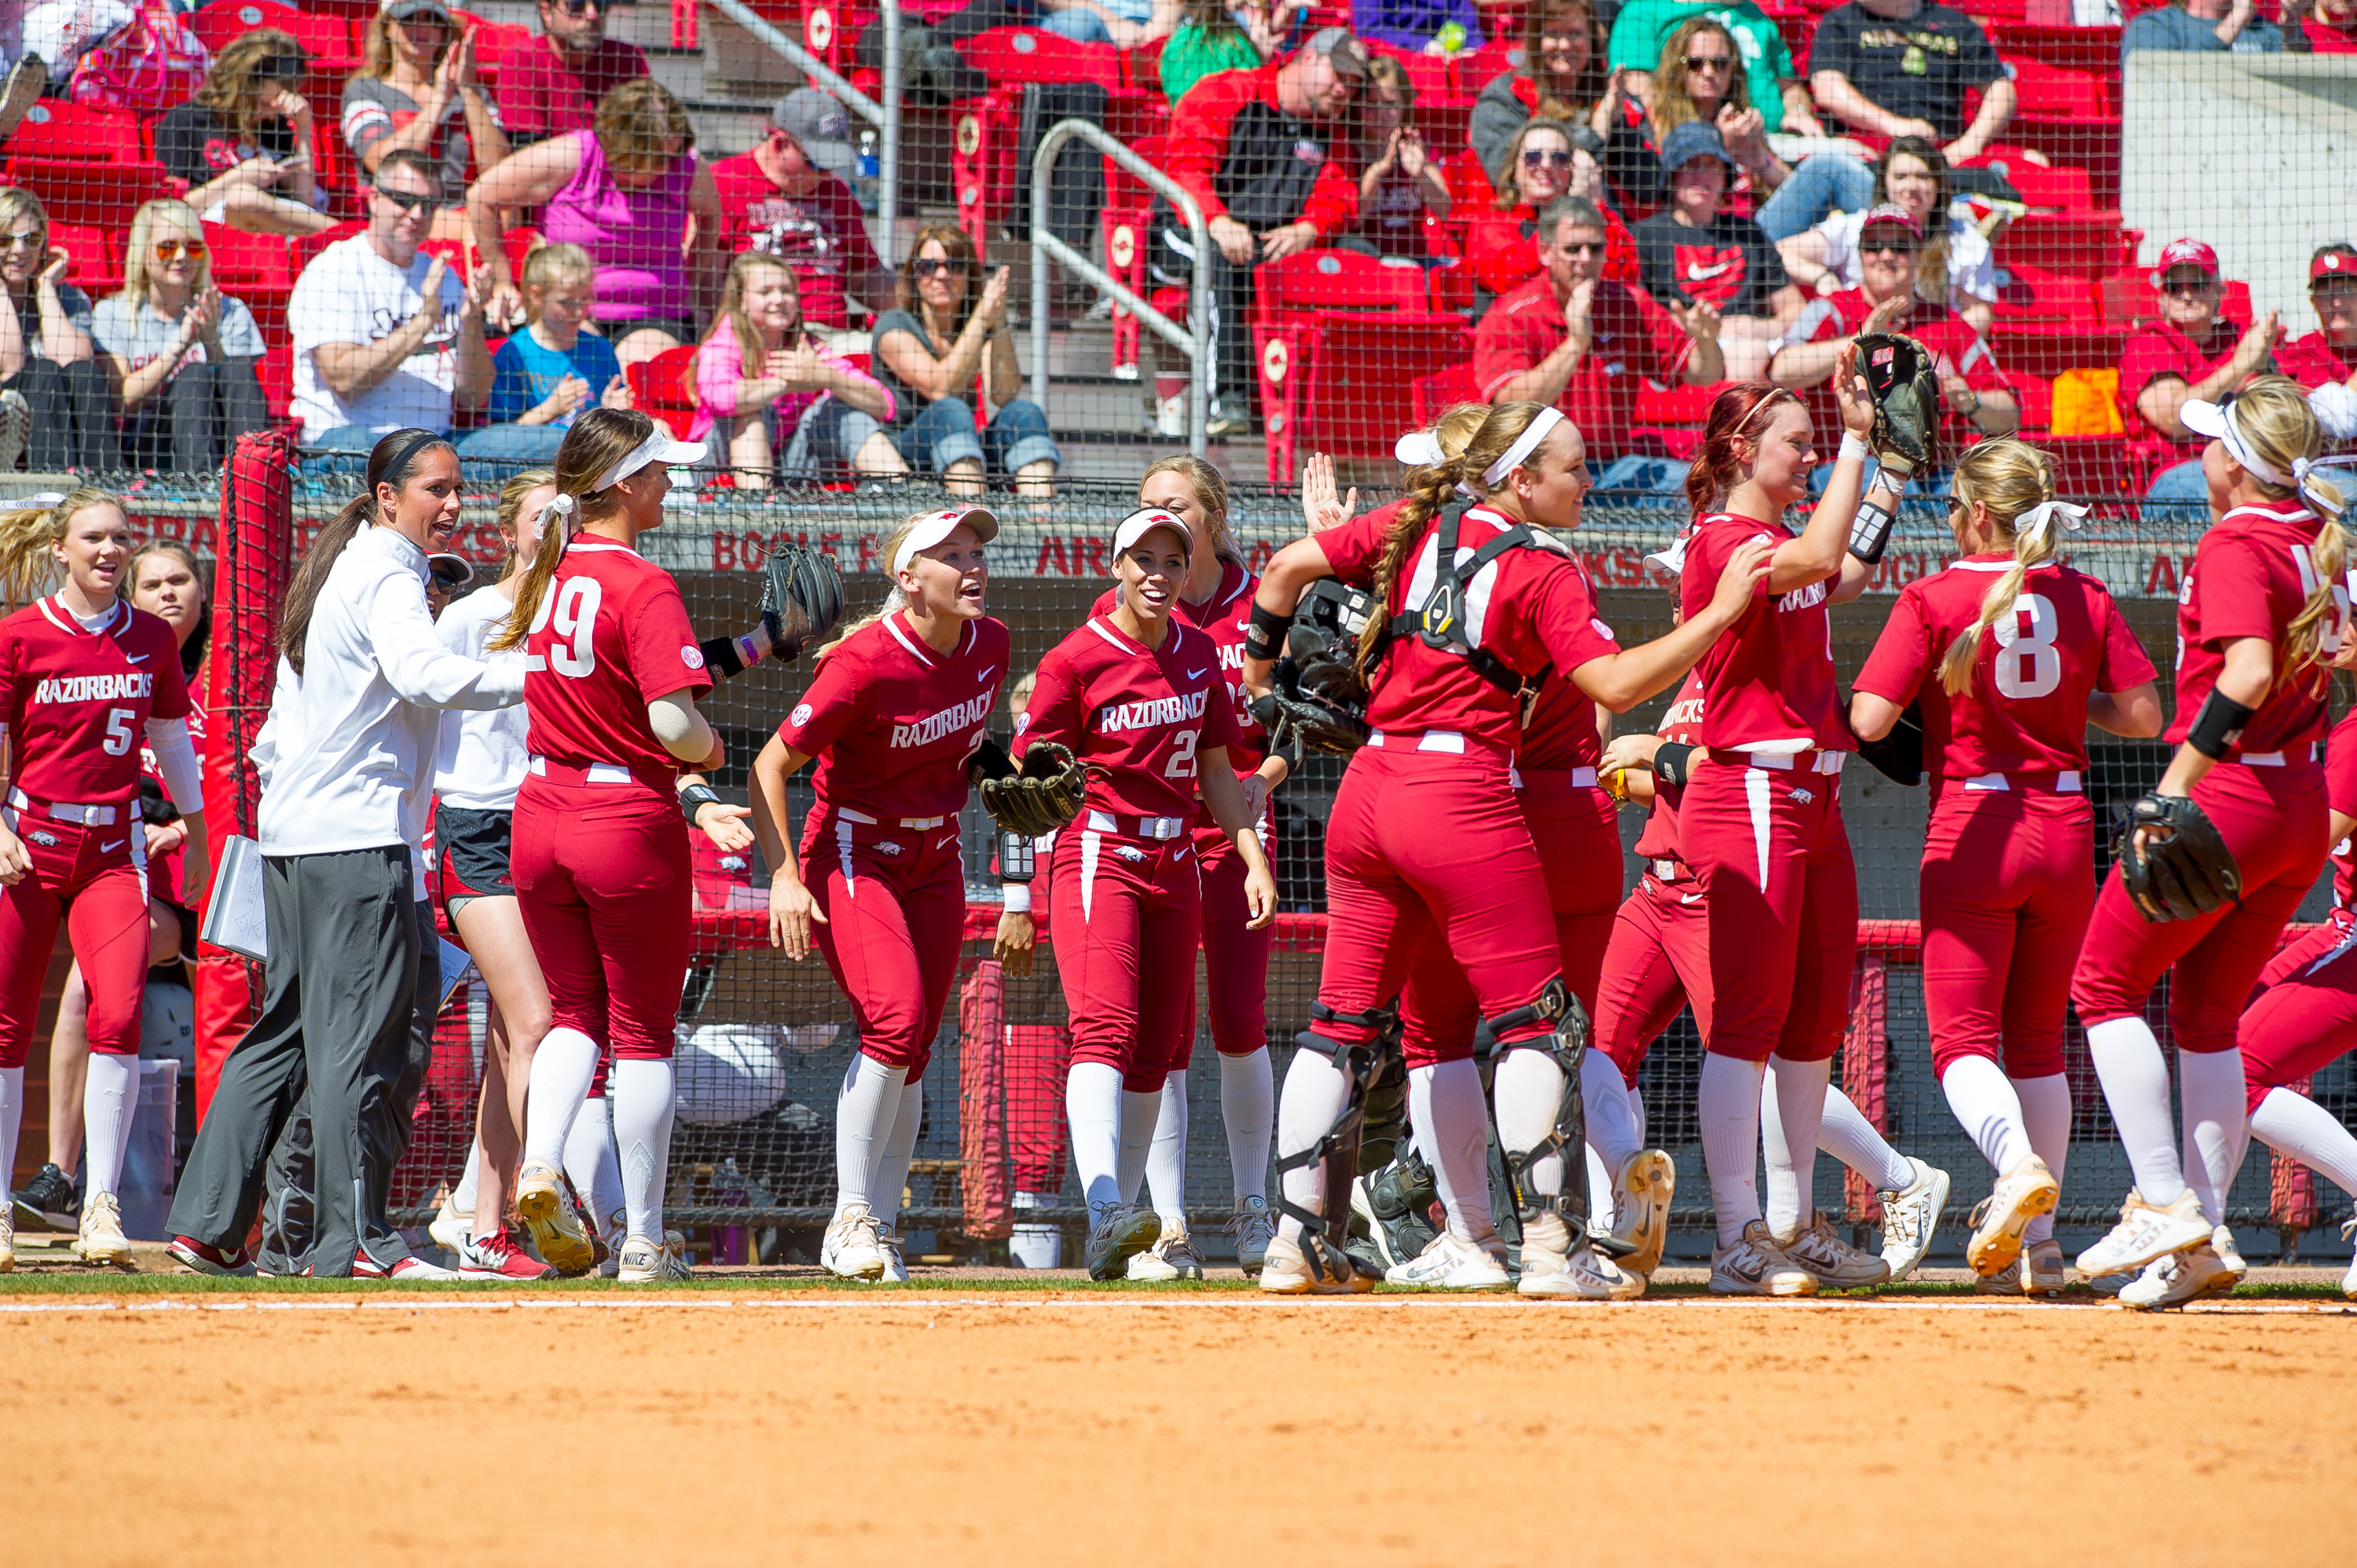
<point x="387" y="336"/>
<point x="1542" y="164"/>
<point x="45" y="355"/>
<point x="2190" y="353"/>
<point x="244" y="143"/>
<point x="417" y="88"/>
<point x="2325" y="362"/>
<point x="553" y="82"/>
<point x="787" y="198"/>
<point x="182" y="353"/>
<point x="1700" y="79"/>
<point x="1641" y="27"/>
<point x="1973" y="392"/>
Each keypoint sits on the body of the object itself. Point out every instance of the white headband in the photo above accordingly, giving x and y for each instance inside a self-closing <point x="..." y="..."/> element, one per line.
<point x="2240" y="450"/>
<point x="1524" y="444"/>
<point x="2038" y="519"/>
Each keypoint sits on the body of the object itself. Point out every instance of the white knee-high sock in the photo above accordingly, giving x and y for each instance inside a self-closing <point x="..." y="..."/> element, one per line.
<point x="1139" y="1113"/>
<point x="1315" y="1095"/>
<point x="2216" y="1132"/>
<point x="109" y="1098"/>
<point x="1092" y="1105"/>
<point x="561" y="1071"/>
<point x="1527" y="1088"/>
<point x="1849" y="1137"/>
<point x="1637" y="1112"/>
<point x="462" y="1197"/>
<point x="1989" y="1109"/>
<point x="2294" y="1125"/>
<point x="592" y="1163"/>
<point x="1452" y="1129"/>
<point x="1728" y="1103"/>
<point x="888" y="1179"/>
<point x="1600" y="1194"/>
<point x="866" y="1106"/>
<point x="642" y="1112"/>
<point x="1612" y="1130"/>
<point x="1248" y="1106"/>
<point x="2136" y="1086"/>
<point x="1166" y="1160"/>
<point x="12" y="1121"/>
<point x="1791" y="1111"/>
<point x="2045" y="1117"/>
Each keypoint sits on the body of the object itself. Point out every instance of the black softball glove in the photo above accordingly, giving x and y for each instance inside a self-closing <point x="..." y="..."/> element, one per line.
<point x="1046" y="794"/>
<point x="1903" y="378"/>
<point x="2185" y="869"/>
<point x="801" y="599"/>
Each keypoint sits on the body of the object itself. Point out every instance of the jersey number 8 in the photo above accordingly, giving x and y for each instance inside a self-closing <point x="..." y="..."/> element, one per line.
<point x="2029" y="665"/>
<point x="573" y="610"/>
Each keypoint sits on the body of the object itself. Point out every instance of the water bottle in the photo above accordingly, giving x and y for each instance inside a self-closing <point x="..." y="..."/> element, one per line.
<point x="1451" y="37"/>
<point x="863" y="173"/>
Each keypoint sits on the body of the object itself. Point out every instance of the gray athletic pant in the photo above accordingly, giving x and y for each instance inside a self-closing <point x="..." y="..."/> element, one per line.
<point x="290" y="1212"/>
<point x="335" y="1024"/>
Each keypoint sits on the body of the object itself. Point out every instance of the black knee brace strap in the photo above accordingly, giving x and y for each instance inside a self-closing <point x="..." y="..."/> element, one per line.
<point x="1337" y="1150"/>
<point x="1567" y="1044"/>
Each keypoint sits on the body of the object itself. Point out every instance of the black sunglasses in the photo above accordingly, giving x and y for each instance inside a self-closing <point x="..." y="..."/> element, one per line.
<point x="2188" y="288"/>
<point x="1887" y="247"/>
<point x="1535" y="159"/>
<point x="451" y="573"/>
<point x="1709" y="62"/>
<point x="408" y="203"/>
<point x="582" y="8"/>
<point x="926" y="266"/>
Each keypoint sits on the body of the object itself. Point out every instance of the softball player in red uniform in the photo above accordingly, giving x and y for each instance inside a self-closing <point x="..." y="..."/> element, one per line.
<point x="2263" y="607"/>
<point x="84" y="679"/>
<point x="1140" y="695"/>
<point x="2304" y="1015"/>
<point x="599" y="860"/>
<point x="1427" y="839"/>
<point x="2012" y="655"/>
<point x="898" y="706"/>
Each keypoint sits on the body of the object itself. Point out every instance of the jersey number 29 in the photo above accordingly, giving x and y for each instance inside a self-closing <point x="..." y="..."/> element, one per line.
<point x="572" y="611"/>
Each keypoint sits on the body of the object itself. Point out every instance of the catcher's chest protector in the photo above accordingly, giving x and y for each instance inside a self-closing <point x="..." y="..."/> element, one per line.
<point x="1440" y="622"/>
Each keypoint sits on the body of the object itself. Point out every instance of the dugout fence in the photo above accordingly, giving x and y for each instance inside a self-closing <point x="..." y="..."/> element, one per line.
<point x="764" y="1042"/>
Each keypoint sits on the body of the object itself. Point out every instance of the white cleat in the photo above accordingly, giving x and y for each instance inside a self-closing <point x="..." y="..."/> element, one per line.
<point x="646" y="1262"/>
<point x="1910" y="1217"/>
<point x="1252" y="1225"/>
<point x="616" y="1231"/>
<point x="2020" y="1195"/>
<point x="1121" y="1231"/>
<point x="1555" y="1269"/>
<point x="452" y="1231"/>
<point x="1642" y="1190"/>
<point x="2181" y="1277"/>
<point x="853" y="1246"/>
<point x="896" y="1262"/>
<point x="1832" y="1262"/>
<point x="1451" y="1264"/>
<point x="101" y="1239"/>
<point x="2146" y="1233"/>
<point x="1755" y="1266"/>
<point x="1287" y="1272"/>
<point x="1172" y="1256"/>
<point x="544" y="1201"/>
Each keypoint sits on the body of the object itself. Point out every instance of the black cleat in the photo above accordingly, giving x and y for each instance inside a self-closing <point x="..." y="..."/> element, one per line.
<point x="48" y="1200"/>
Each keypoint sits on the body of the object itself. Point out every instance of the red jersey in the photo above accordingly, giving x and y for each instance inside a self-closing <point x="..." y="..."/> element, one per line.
<point x="545" y="91"/>
<point x="2251" y="573"/>
<point x="1531" y="609"/>
<point x="2026" y="710"/>
<point x="1222" y="617"/>
<point x="1769" y="679"/>
<point x="1681" y="722"/>
<point x="2159" y="349"/>
<point x="611" y="636"/>
<point x="1208" y="147"/>
<point x="1631" y="338"/>
<point x="1559" y="725"/>
<point x="1141" y="713"/>
<point x="2341" y="795"/>
<point x="1842" y="314"/>
<point x="76" y="702"/>
<point x="821" y="234"/>
<point x="2313" y="361"/>
<point x="1502" y="249"/>
<point x="892" y="722"/>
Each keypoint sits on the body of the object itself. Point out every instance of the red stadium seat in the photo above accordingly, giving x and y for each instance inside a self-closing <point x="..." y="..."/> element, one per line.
<point x="2048" y="350"/>
<point x="81" y="191"/>
<point x="1013" y="56"/>
<point x="54" y="128"/>
<point x="1340" y="340"/>
<point x="662" y="389"/>
<point x="2033" y="293"/>
<point x="94" y="263"/>
<point x="2086" y="465"/>
<point x="2089" y="246"/>
<point x="983" y="150"/>
<point x="1124" y="223"/>
<point x="1432" y="395"/>
<point x="330" y="40"/>
<point x="256" y="268"/>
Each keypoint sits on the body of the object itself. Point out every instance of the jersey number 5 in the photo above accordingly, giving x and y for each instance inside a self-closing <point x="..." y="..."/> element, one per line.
<point x="572" y="613"/>
<point x="118" y="741"/>
<point x="2029" y="665"/>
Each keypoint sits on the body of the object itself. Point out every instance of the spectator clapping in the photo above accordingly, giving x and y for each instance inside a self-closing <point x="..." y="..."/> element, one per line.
<point x="1956" y="255"/>
<point x="2190" y="353"/>
<point x="416" y="88"/>
<point x="1401" y="184"/>
<point x="552" y="370"/>
<point x="1693" y="250"/>
<point x="777" y="396"/>
<point x="183" y="353"/>
<point x="1642" y="28"/>
<point x="46" y="353"/>
<point x="1542" y="163"/>
<point x="2325" y="361"/>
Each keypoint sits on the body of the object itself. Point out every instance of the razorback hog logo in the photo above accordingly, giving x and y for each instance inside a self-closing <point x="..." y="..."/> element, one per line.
<point x="94" y="688"/>
<point x="948" y="721"/>
<point x="1116" y="717"/>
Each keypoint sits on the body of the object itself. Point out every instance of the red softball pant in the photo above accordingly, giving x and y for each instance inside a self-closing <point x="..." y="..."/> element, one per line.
<point x="1127" y="911"/>
<point x="1430" y="847"/>
<point x="894" y="898"/>
<point x="1657" y="960"/>
<point x="603" y="883"/>
<point x="1769" y="848"/>
<point x="1577" y="837"/>
<point x="1235" y="957"/>
<point x="95" y="880"/>
<point x="2008" y="884"/>
<point x="2276" y="822"/>
<point x="2303" y="1016"/>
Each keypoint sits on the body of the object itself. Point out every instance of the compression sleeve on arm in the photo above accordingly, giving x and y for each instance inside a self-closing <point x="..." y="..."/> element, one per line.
<point x="684" y="731"/>
<point x="176" y="759"/>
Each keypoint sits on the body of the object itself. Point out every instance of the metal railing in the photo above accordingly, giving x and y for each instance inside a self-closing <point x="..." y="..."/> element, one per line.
<point x="1192" y="341"/>
<point x="884" y="116"/>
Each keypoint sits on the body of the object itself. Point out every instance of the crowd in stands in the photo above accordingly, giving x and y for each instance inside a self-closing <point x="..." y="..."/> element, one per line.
<point x="491" y="245"/>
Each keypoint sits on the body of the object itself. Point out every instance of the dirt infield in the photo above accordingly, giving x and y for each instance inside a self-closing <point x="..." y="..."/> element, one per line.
<point x="1048" y="1428"/>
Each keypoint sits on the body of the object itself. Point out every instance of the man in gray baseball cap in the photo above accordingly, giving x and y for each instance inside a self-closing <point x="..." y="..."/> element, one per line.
<point x="788" y="197"/>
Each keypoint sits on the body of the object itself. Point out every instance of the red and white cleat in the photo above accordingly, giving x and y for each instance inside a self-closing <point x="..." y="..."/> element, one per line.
<point x="497" y="1257"/>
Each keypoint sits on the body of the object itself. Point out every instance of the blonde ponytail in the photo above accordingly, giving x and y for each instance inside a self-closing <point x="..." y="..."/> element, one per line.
<point x="2280" y="430"/>
<point x="28" y="570"/>
<point x="598" y="439"/>
<point x="894" y="599"/>
<point x="2007" y="478"/>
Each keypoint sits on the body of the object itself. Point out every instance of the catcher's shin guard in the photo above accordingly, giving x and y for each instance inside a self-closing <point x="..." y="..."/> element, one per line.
<point x="1556" y="1006"/>
<point x="1336" y="1153"/>
<point x="1384" y="1134"/>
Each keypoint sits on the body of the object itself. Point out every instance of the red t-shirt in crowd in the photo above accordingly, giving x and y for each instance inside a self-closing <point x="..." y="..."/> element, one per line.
<point x="2026" y="710"/>
<point x="1532" y="609"/>
<point x="1502" y="249"/>
<point x="545" y="91"/>
<point x="892" y="722"/>
<point x="2251" y="577"/>
<point x="2341" y="795"/>
<point x="2312" y="360"/>
<point x="1681" y="721"/>
<point x="610" y="636"/>
<point x="1842" y="314"/>
<point x="2156" y="349"/>
<point x="820" y="234"/>
<point x="1631" y="338"/>
<point x="2324" y="39"/>
<point x="76" y="702"/>
<point x="1768" y="682"/>
<point x="1222" y="617"/>
<point x="1143" y="715"/>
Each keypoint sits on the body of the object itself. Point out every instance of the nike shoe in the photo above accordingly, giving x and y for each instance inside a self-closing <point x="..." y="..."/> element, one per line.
<point x="545" y="1198"/>
<point x="1910" y="1217"/>
<point x="1451" y="1264"/>
<point x="1642" y="1190"/>
<point x="609" y="1244"/>
<point x="1755" y="1266"/>
<point x="2180" y="1277"/>
<point x="647" y="1263"/>
<point x="403" y="1270"/>
<point x="2146" y="1233"/>
<point x="2043" y="1271"/>
<point x="1287" y="1272"/>
<point x="1555" y="1269"/>
<point x="854" y="1247"/>
<point x="1172" y="1256"/>
<point x="895" y="1264"/>
<point x="101" y="1239"/>
<point x="450" y="1229"/>
<point x="48" y="1201"/>
<point x="2021" y="1195"/>
<point x="1834" y="1263"/>
<point x="2007" y="1281"/>
<point x="1120" y="1232"/>
<point x="1252" y="1226"/>
<point x="497" y="1257"/>
<point x="201" y="1258"/>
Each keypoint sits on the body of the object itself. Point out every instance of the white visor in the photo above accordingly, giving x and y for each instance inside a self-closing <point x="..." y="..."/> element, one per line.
<point x="1138" y="524"/>
<point x="2217" y="419"/>
<point x="1419" y="449"/>
<point x="657" y="448"/>
<point x="932" y="529"/>
<point x="1671" y="558"/>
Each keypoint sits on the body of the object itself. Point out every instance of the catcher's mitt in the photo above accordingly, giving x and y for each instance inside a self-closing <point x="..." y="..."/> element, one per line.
<point x="1899" y="755"/>
<point x="1046" y="794"/>
<point x="801" y="599"/>
<point x="2185" y="869"/>
<point x="1903" y="379"/>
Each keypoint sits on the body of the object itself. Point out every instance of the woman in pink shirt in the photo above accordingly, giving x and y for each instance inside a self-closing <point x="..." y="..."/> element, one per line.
<point x="770" y="387"/>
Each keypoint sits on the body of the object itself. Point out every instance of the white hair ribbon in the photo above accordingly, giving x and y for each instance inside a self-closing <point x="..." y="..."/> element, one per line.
<point x="47" y="497"/>
<point x="2302" y="470"/>
<point x="2038" y="519"/>
<point x="561" y="504"/>
<point x="1524" y="444"/>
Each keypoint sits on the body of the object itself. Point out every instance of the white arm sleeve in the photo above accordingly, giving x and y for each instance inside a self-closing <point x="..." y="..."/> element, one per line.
<point x="417" y="665"/>
<point x="176" y="759"/>
<point x="2336" y="409"/>
<point x="682" y="730"/>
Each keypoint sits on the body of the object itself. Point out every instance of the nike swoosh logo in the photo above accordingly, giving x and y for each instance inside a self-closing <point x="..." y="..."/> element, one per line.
<point x="110" y="848"/>
<point x="947" y="842"/>
<point x="1697" y="272"/>
<point x="1688" y="898"/>
<point x="985" y="675"/>
<point x="141" y="658"/>
<point x="1198" y="674"/>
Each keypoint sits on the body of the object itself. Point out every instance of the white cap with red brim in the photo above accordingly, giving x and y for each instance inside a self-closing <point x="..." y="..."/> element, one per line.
<point x="932" y="529"/>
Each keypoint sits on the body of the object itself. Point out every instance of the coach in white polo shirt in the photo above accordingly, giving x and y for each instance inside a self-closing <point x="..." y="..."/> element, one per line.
<point x="386" y="337"/>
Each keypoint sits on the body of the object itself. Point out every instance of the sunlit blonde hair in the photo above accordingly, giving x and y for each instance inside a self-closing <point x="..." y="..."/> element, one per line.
<point x="2007" y="477"/>
<point x="28" y="535"/>
<point x="1211" y="487"/>
<point x="144" y="222"/>
<point x="599" y="439"/>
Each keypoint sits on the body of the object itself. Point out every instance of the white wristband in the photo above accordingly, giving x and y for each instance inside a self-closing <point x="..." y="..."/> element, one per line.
<point x="1018" y="898"/>
<point x="1853" y="446"/>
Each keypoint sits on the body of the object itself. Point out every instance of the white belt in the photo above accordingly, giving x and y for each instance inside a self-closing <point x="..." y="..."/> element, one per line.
<point x="1667" y="870"/>
<point x="1827" y="761"/>
<point x="2278" y="759"/>
<point x="595" y="773"/>
<point x="1147" y="827"/>
<point x="64" y="810"/>
<point x="919" y="824"/>
<point x="1581" y="778"/>
<point x="2065" y="782"/>
<point x="1430" y="740"/>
